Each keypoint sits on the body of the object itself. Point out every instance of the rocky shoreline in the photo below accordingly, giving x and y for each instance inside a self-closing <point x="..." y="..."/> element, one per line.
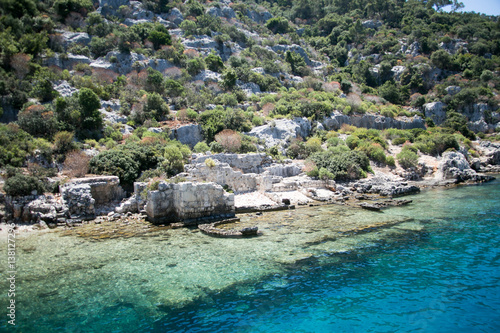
<point x="231" y="184"/>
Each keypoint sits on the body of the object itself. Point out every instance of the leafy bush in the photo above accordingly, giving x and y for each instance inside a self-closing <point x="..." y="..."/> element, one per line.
<point x="117" y="163"/>
<point x="407" y="158"/>
<point x="15" y="145"/>
<point x="38" y="120"/>
<point x="22" y="185"/>
<point x="210" y="163"/>
<point x="342" y="162"/>
<point x="201" y="147"/>
<point x="278" y="25"/>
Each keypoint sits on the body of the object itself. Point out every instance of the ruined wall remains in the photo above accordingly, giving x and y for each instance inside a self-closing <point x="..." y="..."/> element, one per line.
<point x="188" y="201"/>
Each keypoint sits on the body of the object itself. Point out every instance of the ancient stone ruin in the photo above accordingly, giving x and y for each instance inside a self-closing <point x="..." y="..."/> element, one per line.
<point x="188" y="202"/>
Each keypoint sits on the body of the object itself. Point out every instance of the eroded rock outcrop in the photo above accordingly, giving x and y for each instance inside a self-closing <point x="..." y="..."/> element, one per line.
<point x="337" y="119"/>
<point x="384" y="187"/>
<point x="187" y="134"/>
<point x="454" y="166"/>
<point x="281" y="131"/>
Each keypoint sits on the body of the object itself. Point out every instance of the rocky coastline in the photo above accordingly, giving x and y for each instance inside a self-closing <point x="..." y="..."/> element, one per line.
<point x="232" y="184"/>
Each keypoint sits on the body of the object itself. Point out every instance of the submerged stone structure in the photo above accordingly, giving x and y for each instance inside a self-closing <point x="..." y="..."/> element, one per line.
<point x="188" y="201"/>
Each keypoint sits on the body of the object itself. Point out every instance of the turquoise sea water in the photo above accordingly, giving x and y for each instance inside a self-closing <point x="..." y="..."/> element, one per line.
<point x="433" y="266"/>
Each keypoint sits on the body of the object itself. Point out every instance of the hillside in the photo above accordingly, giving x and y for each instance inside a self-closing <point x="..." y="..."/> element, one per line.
<point x="132" y="88"/>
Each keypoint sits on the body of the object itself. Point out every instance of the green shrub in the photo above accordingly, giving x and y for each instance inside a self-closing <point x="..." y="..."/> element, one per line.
<point x="210" y="163"/>
<point x="15" y="145"/>
<point x="38" y="121"/>
<point x="216" y="147"/>
<point x="22" y="185"/>
<point x="342" y="163"/>
<point x="407" y="158"/>
<point x="389" y="160"/>
<point x="201" y="147"/>
<point x="118" y="163"/>
<point x="324" y="174"/>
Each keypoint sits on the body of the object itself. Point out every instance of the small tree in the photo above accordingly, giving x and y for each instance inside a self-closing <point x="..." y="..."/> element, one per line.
<point x="214" y="62"/>
<point x="90" y="104"/>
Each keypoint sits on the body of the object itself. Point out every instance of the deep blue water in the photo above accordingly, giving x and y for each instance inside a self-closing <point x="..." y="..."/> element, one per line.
<point x="444" y="278"/>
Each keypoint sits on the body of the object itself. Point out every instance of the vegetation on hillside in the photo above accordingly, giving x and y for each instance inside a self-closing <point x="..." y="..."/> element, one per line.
<point x="308" y="59"/>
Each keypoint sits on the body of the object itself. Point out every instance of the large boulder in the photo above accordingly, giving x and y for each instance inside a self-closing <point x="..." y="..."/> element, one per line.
<point x="281" y="131"/>
<point x="187" y="134"/>
<point x="259" y="17"/>
<point x="384" y="186"/>
<point x="454" y="166"/>
<point x="207" y="75"/>
<point x="225" y="11"/>
<point x="436" y="111"/>
<point x="64" y="88"/>
<point x="70" y="38"/>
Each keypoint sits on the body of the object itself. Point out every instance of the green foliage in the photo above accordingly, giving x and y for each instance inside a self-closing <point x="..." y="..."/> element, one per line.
<point x="210" y="163"/>
<point x="195" y="66"/>
<point x="155" y="108"/>
<point x="407" y="158"/>
<point x="15" y="145"/>
<point x="278" y="25"/>
<point x="38" y="121"/>
<point x="159" y="36"/>
<point x="118" y="163"/>
<point x="214" y="62"/>
<point x="174" y="157"/>
<point x="63" y="142"/>
<point x="201" y="147"/>
<point x="296" y="61"/>
<point x="458" y="122"/>
<point x="64" y="7"/>
<point x="90" y="104"/>
<point x="22" y="185"/>
<point x="342" y="163"/>
<point x="390" y="92"/>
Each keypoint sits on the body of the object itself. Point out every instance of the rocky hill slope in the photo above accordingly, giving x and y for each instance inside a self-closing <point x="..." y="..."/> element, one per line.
<point x="132" y="88"/>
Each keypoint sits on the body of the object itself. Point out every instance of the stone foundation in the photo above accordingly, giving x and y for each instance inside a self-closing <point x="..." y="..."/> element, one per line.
<point x="188" y="201"/>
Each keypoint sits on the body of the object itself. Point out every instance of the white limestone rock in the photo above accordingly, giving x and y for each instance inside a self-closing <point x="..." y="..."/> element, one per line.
<point x="64" y="88"/>
<point x="281" y="131"/>
<point x="189" y="134"/>
<point x="436" y="111"/>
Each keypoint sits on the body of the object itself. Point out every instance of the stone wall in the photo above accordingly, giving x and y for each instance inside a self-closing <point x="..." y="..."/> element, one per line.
<point x="247" y="163"/>
<point x="223" y="174"/>
<point x="188" y="201"/>
<point x="104" y="189"/>
<point x="82" y="195"/>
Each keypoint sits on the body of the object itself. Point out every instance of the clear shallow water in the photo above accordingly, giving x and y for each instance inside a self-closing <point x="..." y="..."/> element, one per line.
<point x="433" y="266"/>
